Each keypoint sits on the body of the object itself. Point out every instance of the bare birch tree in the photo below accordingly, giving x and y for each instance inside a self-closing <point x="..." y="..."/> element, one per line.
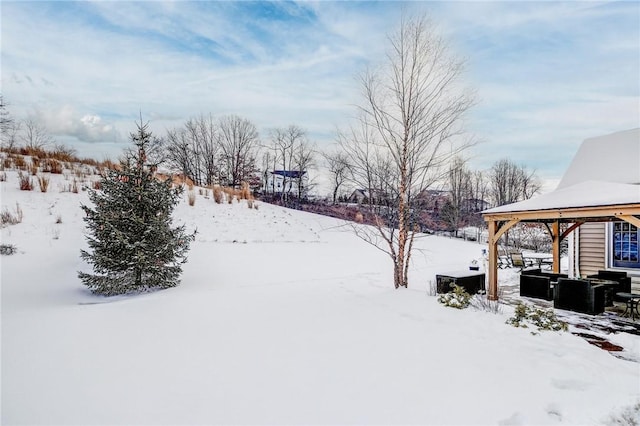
<point x="409" y="126"/>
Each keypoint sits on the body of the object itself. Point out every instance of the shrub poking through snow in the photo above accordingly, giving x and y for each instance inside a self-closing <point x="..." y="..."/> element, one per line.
<point x="191" y="197"/>
<point x="629" y="416"/>
<point x="458" y="298"/>
<point x="132" y="244"/>
<point x="543" y="319"/>
<point x="26" y="184"/>
<point x="217" y="194"/>
<point x="44" y="183"/>
<point x="7" y="249"/>
<point x="8" y="218"/>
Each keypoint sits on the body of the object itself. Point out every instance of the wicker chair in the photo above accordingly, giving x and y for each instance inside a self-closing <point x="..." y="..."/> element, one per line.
<point x="579" y="296"/>
<point x="624" y="282"/>
<point x="536" y="286"/>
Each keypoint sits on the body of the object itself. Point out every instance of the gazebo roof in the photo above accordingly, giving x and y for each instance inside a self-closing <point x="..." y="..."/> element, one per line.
<point x="582" y="195"/>
<point x="602" y="184"/>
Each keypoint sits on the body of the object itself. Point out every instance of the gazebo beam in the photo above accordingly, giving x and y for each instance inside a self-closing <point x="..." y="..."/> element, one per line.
<point x="632" y="220"/>
<point x="603" y="213"/>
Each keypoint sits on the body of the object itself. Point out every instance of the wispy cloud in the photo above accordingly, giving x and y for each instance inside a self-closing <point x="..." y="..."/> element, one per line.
<point x="547" y="73"/>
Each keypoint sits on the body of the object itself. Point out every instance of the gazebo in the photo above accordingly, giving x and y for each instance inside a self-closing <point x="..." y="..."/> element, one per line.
<point x="612" y="195"/>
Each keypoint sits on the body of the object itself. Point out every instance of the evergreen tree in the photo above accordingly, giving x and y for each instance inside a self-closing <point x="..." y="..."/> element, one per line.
<point x="132" y="245"/>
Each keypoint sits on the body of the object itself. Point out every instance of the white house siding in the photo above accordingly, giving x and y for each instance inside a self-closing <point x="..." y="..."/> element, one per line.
<point x="592" y="241"/>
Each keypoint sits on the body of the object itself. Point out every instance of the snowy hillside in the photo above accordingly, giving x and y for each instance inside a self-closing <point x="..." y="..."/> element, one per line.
<point x="282" y="317"/>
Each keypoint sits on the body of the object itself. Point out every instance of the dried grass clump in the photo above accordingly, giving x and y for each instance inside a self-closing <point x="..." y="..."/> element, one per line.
<point x="245" y="192"/>
<point x="19" y="162"/>
<point x="26" y="184"/>
<point x="97" y="185"/>
<point x="44" y="183"/>
<point x="217" y="194"/>
<point x="9" y="218"/>
<point x="359" y="217"/>
<point x="191" y="197"/>
<point x="52" y="166"/>
<point x="7" y="163"/>
<point x="74" y="186"/>
<point x="3" y="177"/>
<point x="33" y="169"/>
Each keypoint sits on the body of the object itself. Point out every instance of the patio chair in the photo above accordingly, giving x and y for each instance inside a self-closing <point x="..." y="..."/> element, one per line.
<point x="536" y="286"/>
<point x="518" y="261"/>
<point x="579" y="296"/>
<point x="504" y="261"/>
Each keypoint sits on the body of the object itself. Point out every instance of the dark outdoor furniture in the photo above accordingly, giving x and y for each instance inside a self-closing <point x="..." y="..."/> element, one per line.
<point x="471" y="281"/>
<point x="631" y="300"/>
<point x="538" y="284"/>
<point x="578" y="296"/>
<point x="624" y="281"/>
<point x="610" y="288"/>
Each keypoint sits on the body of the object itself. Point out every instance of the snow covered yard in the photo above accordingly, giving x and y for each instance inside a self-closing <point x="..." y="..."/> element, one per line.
<point x="282" y="317"/>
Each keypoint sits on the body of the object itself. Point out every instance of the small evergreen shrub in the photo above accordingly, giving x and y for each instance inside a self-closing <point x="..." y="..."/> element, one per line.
<point x="458" y="298"/>
<point x="133" y="246"/>
<point x="543" y="319"/>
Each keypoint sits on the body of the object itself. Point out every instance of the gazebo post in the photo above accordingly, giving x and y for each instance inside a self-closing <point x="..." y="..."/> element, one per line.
<point x="555" y="236"/>
<point x="493" y="261"/>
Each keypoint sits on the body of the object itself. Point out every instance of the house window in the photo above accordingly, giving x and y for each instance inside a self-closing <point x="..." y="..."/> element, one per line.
<point x="625" y="245"/>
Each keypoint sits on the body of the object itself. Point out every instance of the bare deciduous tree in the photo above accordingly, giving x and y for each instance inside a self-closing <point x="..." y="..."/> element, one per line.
<point x="285" y="142"/>
<point x="9" y="128"/>
<point x="410" y="119"/>
<point x="34" y="135"/>
<point x="238" y="142"/>
<point x="459" y="182"/>
<point x="510" y="183"/>
<point x="338" y="167"/>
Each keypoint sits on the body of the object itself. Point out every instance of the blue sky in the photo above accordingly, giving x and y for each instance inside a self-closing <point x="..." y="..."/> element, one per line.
<point x="547" y="74"/>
